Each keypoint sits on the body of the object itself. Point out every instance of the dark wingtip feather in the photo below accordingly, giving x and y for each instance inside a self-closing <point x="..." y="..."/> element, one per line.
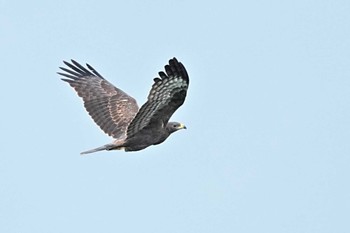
<point x="71" y="72"/>
<point x="90" y="67"/>
<point x="82" y="68"/>
<point x="173" y="59"/>
<point x="67" y="75"/>
<point x="75" y="70"/>
<point x="75" y="62"/>
<point x="93" y="70"/>
<point x="174" y="68"/>
<point x="178" y="67"/>
<point x="66" y="80"/>
<point x="162" y="74"/>
<point x="66" y="63"/>
<point x="156" y="79"/>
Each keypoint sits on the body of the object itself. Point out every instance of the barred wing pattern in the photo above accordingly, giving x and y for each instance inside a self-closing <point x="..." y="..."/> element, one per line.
<point x="110" y="108"/>
<point x="168" y="93"/>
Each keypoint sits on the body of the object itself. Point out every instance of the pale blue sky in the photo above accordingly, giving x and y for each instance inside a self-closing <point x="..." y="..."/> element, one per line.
<point x="268" y="117"/>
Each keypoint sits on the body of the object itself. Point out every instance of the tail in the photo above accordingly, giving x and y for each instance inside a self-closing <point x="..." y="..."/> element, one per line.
<point x="110" y="146"/>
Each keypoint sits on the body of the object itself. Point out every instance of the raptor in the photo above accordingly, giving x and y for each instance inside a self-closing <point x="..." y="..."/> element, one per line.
<point x="118" y="114"/>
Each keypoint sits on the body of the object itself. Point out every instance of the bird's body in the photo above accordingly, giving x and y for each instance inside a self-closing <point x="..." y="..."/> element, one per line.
<point x="117" y="113"/>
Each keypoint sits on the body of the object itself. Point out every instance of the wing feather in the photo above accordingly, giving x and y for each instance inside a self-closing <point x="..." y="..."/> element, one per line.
<point x="110" y="108"/>
<point x="167" y="94"/>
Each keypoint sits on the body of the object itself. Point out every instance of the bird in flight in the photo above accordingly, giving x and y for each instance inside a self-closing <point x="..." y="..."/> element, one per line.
<point x="118" y="114"/>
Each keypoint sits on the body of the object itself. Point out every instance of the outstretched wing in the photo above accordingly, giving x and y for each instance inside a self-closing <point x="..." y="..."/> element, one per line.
<point x="168" y="93"/>
<point x="110" y="108"/>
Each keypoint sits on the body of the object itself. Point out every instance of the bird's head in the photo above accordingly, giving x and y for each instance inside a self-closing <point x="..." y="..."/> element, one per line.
<point x="174" y="126"/>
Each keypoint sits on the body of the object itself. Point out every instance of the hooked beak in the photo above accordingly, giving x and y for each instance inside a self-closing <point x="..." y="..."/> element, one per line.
<point x="182" y="126"/>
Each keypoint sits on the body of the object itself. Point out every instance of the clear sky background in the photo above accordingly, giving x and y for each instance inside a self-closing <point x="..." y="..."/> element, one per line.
<point x="268" y="117"/>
